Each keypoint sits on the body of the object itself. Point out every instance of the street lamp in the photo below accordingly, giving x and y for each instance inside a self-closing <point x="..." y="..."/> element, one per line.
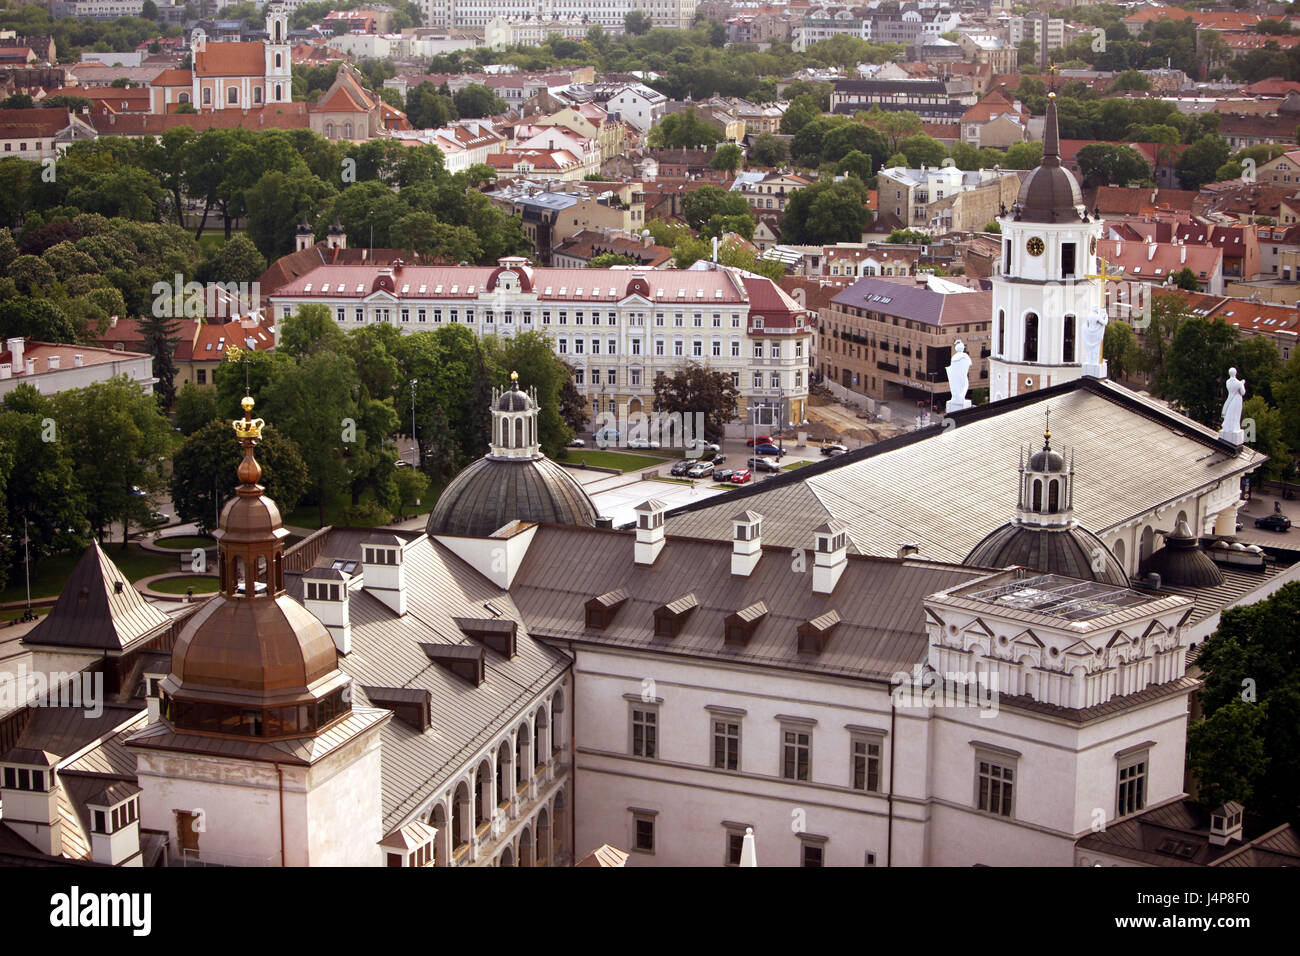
<point x="415" y="444"/>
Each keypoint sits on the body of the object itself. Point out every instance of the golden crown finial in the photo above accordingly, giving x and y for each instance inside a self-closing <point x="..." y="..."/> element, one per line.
<point x="248" y="426"/>
<point x="514" y="378"/>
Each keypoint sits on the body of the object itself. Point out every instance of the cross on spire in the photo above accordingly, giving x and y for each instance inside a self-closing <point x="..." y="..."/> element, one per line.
<point x="1105" y="276"/>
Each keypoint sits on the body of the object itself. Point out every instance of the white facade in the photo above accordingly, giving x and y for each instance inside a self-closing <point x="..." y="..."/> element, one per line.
<point x="638" y="106"/>
<point x="1039" y="303"/>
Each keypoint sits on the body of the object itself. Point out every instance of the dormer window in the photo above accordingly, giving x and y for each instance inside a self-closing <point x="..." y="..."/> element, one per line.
<point x="380" y="555"/>
<point x="24" y="778"/>
<point x="323" y="591"/>
<point x="827" y="544"/>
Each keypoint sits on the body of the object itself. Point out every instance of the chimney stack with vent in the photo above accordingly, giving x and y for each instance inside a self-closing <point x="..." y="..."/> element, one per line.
<point x="746" y="542"/>
<point x="16" y="351"/>
<point x="384" y="570"/>
<point x="649" y="531"/>
<point x="1225" y="824"/>
<point x="78" y="360"/>
<point x="31" y="366"/>
<point x="30" y="792"/>
<point x="831" y="556"/>
<point x="325" y="595"/>
<point x="53" y="363"/>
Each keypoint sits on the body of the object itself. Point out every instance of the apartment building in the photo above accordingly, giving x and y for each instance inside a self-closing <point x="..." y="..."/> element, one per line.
<point x="946" y="199"/>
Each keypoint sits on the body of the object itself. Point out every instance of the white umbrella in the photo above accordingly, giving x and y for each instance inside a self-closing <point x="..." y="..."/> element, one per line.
<point x="748" y="855"/>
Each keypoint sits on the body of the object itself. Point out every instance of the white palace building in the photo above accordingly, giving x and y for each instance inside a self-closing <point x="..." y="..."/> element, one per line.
<point x="616" y="328"/>
<point x="946" y="648"/>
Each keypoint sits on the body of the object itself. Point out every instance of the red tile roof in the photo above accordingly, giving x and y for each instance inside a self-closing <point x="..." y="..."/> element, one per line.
<point x="1156" y="260"/>
<point x="39" y="123"/>
<point x="183" y="78"/>
<point x="276" y="116"/>
<point x="42" y="352"/>
<point x="1272" y="87"/>
<point x="231" y="59"/>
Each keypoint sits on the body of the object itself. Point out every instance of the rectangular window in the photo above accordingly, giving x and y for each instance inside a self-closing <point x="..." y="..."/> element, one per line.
<point x="735" y="844"/>
<point x="865" y="759"/>
<point x="735" y="348"/>
<point x="340" y="314"/>
<point x="758" y="350"/>
<point x="406" y="315"/>
<point x="635" y="376"/>
<point x="996" y="785"/>
<point x="645" y="732"/>
<point x="1132" y="784"/>
<point x="697" y="349"/>
<point x="611" y="376"/>
<point x="796" y="754"/>
<point x="360" y="314"/>
<point x="636" y="346"/>
<point x="776" y="350"/>
<point x="422" y="315"/>
<point x="546" y="317"/>
<point x="812" y="853"/>
<point x="659" y="346"/>
<point x="201" y="376"/>
<point x="735" y="380"/>
<point x="579" y="345"/>
<point x="726" y="744"/>
<point x="564" y="318"/>
<point x="758" y="379"/>
<point x="644" y="835"/>
<point x="717" y="348"/>
<point x="564" y="346"/>
<point x="679" y="347"/>
<point x="11" y="779"/>
<point x="1067" y="260"/>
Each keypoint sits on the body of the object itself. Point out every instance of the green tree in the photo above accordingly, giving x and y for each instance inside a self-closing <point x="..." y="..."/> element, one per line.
<point x="1286" y="393"/>
<point x="1185" y="278"/>
<point x="1267" y="430"/>
<point x="1024" y="155"/>
<point x="1249" y="665"/>
<point x="700" y="205"/>
<point x="694" y="389"/>
<point x="767" y="150"/>
<point x="801" y="111"/>
<point x="236" y="261"/>
<point x="728" y="158"/>
<point x="160" y="333"/>
<point x="1195" y="370"/>
<point x="119" y="439"/>
<point x="636" y="23"/>
<point x="922" y="150"/>
<point x="195" y="407"/>
<point x="426" y="108"/>
<point x="476" y="101"/>
<point x="1201" y="161"/>
<point x="683" y="130"/>
<point x="605" y="260"/>
<point x="1107" y="164"/>
<point x="1257" y="361"/>
<point x="895" y="127"/>
<point x="1121" y="349"/>
<point x="310" y="330"/>
<point x="204" y="472"/>
<point x="826" y="212"/>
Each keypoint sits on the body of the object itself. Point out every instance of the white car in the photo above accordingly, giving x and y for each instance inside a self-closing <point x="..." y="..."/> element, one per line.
<point x="642" y="443"/>
<point x="577" y="443"/>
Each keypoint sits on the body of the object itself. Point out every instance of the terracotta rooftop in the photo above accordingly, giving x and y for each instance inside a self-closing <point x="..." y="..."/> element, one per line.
<point x="231" y="59"/>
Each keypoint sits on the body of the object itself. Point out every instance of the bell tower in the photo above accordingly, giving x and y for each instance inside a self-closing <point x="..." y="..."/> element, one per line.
<point x="1044" y="290"/>
<point x="279" y="71"/>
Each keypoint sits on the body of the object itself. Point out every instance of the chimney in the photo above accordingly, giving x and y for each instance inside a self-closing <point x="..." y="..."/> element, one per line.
<point x="649" y="531"/>
<point x="78" y="360"/>
<point x="908" y="548"/>
<point x="115" y="825"/>
<point x="1225" y="824"/>
<point x="6" y="371"/>
<point x="30" y="792"/>
<point x="831" y="556"/>
<point x="31" y="366"/>
<point x="112" y="321"/>
<point x="325" y="594"/>
<point x="384" y="571"/>
<point x="53" y="363"/>
<point x="746" y="542"/>
<point x="16" y="349"/>
<point x="1183" y="254"/>
<point x="1151" y="252"/>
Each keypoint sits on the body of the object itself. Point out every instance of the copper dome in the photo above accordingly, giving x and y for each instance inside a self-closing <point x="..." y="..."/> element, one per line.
<point x="263" y="653"/>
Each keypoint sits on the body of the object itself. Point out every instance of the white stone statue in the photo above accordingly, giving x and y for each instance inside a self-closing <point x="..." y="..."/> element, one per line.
<point x="1232" y="409"/>
<point x="958" y="370"/>
<point x="1094" y="334"/>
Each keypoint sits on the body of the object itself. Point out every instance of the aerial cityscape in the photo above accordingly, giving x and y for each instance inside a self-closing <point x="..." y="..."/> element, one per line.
<point x="654" y="433"/>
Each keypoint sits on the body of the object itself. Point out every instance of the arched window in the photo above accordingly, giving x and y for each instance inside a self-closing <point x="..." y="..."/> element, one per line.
<point x="1119" y="551"/>
<point x="279" y="94"/>
<point x="232" y="95"/>
<point x="1002" y="333"/>
<point x="1147" y="544"/>
<point x="329" y="130"/>
<point x="519" y="432"/>
<point x="1053" y="496"/>
<point x="184" y="98"/>
<point x="1038" y="495"/>
<point x="1031" y="337"/>
<point x="347" y="130"/>
<point x="1067" y="349"/>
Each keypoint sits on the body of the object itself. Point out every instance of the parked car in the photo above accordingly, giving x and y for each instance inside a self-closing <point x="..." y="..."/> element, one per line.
<point x="833" y="448"/>
<point x="763" y="464"/>
<point x="722" y="474"/>
<point x="740" y="476"/>
<point x="761" y="440"/>
<point x="682" y="467"/>
<point x="836" y="451"/>
<point x="577" y="443"/>
<point x="718" y="459"/>
<point x="642" y="443"/>
<point x="771" y="450"/>
<point x="606" y="436"/>
<point x="139" y="492"/>
<point x="1274" y="522"/>
<point x="701" y="469"/>
<point x="157" y="517"/>
<point x="707" y="448"/>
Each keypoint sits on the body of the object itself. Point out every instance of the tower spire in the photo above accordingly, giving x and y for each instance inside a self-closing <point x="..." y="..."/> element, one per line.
<point x="1051" y="135"/>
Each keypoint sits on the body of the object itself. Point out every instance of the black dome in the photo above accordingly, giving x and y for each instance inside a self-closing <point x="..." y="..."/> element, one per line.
<point x="1182" y="563"/>
<point x="1046" y="460"/>
<point x="514" y="401"/>
<point x="1070" y="551"/>
<point x="492" y="492"/>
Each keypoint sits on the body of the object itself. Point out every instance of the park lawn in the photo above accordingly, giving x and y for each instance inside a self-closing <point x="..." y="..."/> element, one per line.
<point x="795" y="464"/>
<point x="15" y="613"/>
<point x="674" y="481"/>
<point x="612" y="459"/>
<point x="202" y="584"/>
<point x="50" y="576"/>
<point x="185" y="542"/>
<point x="726" y="487"/>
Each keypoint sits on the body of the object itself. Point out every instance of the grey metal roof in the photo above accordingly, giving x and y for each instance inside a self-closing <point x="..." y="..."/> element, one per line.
<point x="879" y="601"/>
<point x="495" y="491"/>
<point x="945" y="488"/>
<point x="92" y="612"/>
<point x="386" y="652"/>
